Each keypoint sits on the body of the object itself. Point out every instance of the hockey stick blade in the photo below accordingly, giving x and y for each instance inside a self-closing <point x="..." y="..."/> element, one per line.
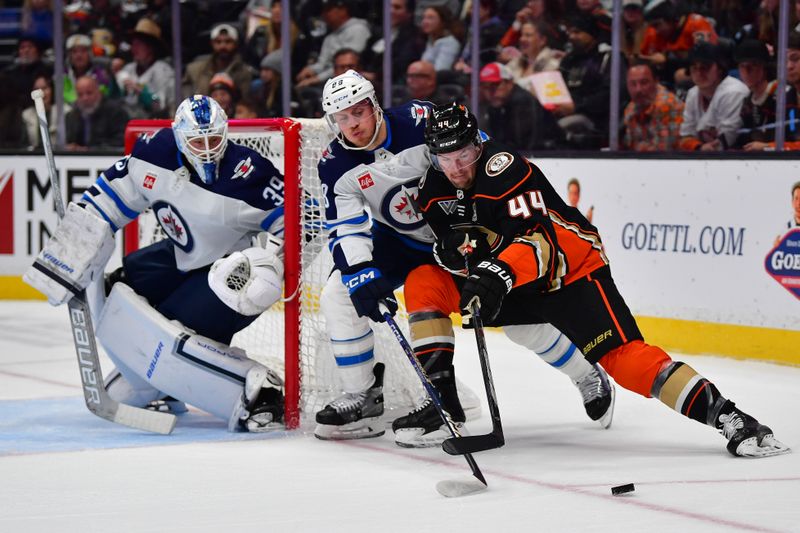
<point x="473" y="444"/>
<point x="455" y="488"/>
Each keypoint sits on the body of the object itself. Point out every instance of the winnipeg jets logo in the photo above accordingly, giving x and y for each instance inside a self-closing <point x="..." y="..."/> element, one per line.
<point x="418" y="112"/>
<point x="399" y="208"/>
<point x="448" y="206"/>
<point x="327" y="155"/>
<point x="243" y="169"/>
<point x="173" y="225"/>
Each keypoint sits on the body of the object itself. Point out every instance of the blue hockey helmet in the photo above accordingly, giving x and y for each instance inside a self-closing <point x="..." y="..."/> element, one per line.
<point x="201" y="131"/>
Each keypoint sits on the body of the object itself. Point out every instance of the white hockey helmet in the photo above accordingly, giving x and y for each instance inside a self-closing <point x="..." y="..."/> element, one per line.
<point x="201" y="131"/>
<point x="344" y="91"/>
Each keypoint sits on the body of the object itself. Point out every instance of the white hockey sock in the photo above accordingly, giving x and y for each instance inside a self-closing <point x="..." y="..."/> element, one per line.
<point x="553" y="347"/>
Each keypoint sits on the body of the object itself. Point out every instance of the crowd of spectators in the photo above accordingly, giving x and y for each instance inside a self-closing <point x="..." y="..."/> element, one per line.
<point x="696" y="74"/>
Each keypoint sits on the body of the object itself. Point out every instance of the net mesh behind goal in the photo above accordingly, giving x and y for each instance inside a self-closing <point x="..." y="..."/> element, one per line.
<point x="290" y="337"/>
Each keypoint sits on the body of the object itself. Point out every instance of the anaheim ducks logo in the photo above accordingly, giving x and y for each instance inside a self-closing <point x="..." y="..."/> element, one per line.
<point x="498" y="163"/>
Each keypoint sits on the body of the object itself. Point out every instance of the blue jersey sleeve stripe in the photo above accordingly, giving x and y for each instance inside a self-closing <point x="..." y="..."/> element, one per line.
<point x="114" y="227"/>
<point x="106" y="188"/>
<point x="335" y="241"/>
<point x="270" y="219"/>
<point x="360" y="219"/>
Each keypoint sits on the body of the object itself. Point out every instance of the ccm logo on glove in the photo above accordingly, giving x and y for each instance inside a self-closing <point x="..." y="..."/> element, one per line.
<point x="365" y="276"/>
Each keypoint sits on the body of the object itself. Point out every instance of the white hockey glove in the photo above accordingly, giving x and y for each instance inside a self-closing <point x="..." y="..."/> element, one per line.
<point x="248" y="282"/>
<point x="76" y="253"/>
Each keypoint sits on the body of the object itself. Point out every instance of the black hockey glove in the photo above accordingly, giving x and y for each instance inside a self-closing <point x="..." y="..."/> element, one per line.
<point x="367" y="287"/>
<point x="451" y="250"/>
<point x="487" y="285"/>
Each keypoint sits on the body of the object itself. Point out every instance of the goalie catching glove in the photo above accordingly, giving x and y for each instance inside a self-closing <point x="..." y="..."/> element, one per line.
<point x="486" y="286"/>
<point x="456" y="248"/>
<point x="250" y="281"/>
<point x="76" y="253"/>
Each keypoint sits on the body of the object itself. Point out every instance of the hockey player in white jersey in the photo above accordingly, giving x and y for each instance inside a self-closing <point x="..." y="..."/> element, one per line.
<point x="376" y="236"/>
<point x="168" y="320"/>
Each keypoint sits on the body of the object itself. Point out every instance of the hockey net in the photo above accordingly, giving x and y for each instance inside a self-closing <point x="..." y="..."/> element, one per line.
<point x="291" y="337"/>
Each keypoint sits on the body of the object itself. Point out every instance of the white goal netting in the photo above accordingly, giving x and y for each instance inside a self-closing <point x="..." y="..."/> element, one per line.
<point x="264" y="339"/>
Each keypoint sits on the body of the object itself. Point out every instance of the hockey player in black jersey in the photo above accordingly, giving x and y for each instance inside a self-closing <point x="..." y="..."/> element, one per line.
<point x="533" y="259"/>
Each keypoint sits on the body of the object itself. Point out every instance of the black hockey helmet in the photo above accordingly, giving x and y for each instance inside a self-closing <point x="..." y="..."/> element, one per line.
<point x="450" y="127"/>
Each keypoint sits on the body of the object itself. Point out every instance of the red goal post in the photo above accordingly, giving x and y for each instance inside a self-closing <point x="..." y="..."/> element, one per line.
<point x="290" y="130"/>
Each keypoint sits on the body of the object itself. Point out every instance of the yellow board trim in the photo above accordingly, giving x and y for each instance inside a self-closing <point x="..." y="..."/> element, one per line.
<point x="13" y="288"/>
<point x="671" y="334"/>
<point x="707" y="338"/>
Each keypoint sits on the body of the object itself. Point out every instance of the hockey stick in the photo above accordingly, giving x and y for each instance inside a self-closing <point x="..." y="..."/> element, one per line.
<point x="495" y="439"/>
<point x="446" y="488"/>
<point x="97" y="399"/>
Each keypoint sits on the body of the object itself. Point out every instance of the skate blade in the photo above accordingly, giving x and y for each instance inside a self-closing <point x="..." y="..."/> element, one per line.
<point x="455" y="488"/>
<point x="769" y="446"/>
<point x="608" y="416"/>
<point x="416" y="438"/>
<point x="361" y="429"/>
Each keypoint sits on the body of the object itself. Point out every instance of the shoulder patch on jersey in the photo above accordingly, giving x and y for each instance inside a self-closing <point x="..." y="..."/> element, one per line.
<point x="327" y="155"/>
<point x="365" y="181"/>
<point x="498" y="163"/>
<point x="243" y="169"/>
<point x="418" y="112"/>
<point x="149" y="181"/>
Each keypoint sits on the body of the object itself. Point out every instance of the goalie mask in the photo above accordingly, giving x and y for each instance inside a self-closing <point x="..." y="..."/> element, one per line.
<point x="201" y="131"/>
<point x="347" y="91"/>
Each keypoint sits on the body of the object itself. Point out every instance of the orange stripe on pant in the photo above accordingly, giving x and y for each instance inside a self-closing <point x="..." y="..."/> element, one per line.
<point x="429" y="288"/>
<point x="635" y="365"/>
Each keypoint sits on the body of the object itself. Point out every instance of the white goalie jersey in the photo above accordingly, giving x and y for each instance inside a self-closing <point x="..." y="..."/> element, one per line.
<point x="377" y="187"/>
<point x="205" y="222"/>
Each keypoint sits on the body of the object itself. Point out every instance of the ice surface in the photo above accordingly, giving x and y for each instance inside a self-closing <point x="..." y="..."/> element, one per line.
<point x="63" y="469"/>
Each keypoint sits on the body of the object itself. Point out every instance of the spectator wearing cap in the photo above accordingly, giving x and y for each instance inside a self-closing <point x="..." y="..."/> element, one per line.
<point x="653" y="117"/>
<point x="94" y="122"/>
<point x="147" y="82"/>
<point x="265" y="92"/>
<point x="408" y="43"/>
<point x="536" y="55"/>
<point x="758" y="108"/>
<point x="344" y="31"/>
<point x="223" y="90"/>
<point x="670" y="35"/>
<point x="511" y="115"/>
<point x="224" y="57"/>
<point x="633" y="27"/>
<point x="711" y="116"/>
<point x="442" y="47"/>
<point x="79" y="63"/>
<point x="586" y="72"/>
<point x="27" y="66"/>
<point x="31" y="120"/>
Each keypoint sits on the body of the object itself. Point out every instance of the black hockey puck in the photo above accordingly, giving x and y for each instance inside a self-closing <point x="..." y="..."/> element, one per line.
<point x="622" y="489"/>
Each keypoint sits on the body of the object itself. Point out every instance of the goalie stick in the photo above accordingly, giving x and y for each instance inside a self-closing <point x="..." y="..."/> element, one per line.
<point x="97" y="399"/>
<point x="495" y="439"/>
<point x="449" y="488"/>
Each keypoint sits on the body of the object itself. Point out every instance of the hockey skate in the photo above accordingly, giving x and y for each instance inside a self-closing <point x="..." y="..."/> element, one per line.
<point x="265" y="412"/>
<point x="598" y="396"/>
<point x="423" y="427"/>
<point x="747" y="438"/>
<point x="354" y="415"/>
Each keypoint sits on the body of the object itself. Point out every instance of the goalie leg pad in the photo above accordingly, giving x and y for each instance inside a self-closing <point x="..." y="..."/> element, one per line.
<point x="210" y="375"/>
<point x="351" y="337"/>
<point x="76" y="253"/>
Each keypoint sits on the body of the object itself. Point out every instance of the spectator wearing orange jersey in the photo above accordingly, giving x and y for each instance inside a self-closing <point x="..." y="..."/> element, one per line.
<point x="669" y="37"/>
<point x="654" y="115"/>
